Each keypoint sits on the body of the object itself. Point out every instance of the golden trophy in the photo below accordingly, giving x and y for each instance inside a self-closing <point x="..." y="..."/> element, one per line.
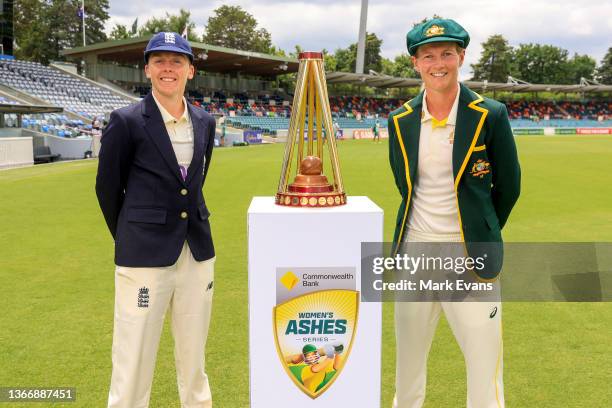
<point x="311" y="118"/>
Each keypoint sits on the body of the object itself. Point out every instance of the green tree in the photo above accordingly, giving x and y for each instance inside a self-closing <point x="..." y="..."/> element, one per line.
<point x="604" y="72"/>
<point x="96" y="15"/>
<point x="30" y="31"/>
<point x="495" y="60"/>
<point x="329" y="60"/>
<point x="171" y="22"/>
<point x="541" y="64"/>
<point x="233" y="27"/>
<point x="45" y="27"/>
<point x="119" y="32"/>
<point x="580" y="66"/>
<point x="346" y="58"/>
<point x="297" y="49"/>
<point x="403" y="67"/>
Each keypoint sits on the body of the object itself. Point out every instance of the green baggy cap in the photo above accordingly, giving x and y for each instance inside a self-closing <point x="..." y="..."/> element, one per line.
<point x="436" y="30"/>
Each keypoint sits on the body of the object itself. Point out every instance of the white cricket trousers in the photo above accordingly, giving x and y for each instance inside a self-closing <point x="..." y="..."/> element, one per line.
<point x="477" y="329"/>
<point x="142" y="297"/>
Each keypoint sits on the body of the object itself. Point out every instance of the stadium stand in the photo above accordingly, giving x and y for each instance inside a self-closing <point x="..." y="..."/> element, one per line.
<point x="59" y="88"/>
<point x="256" y="112"/>
<point x="8" y="101"/>
<point x="56" y="125"/>
<point x="354" y="106"/>
<point x="272" y="125"/>
<point x="240" y="104"/>
<point x="264" y="111"/>
<point x="536" y="111"/>
<point x="51" y="124"/>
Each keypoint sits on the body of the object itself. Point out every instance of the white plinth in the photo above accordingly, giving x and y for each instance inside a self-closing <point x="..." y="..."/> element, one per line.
<point x="310" y="237"/>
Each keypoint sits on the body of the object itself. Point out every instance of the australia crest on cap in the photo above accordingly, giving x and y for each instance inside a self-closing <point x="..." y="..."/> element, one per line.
<point x="434" y="30"/>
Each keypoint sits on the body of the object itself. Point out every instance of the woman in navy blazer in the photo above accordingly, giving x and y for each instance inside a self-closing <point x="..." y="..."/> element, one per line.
<point x="152" y="166"/>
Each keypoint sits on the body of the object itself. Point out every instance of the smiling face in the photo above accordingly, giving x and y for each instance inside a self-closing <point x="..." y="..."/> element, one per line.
<point x="169" y="72"/>
<point x="438" y="64"/>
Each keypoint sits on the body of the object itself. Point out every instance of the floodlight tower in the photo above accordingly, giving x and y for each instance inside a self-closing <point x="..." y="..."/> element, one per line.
<point x="362" y="37"/>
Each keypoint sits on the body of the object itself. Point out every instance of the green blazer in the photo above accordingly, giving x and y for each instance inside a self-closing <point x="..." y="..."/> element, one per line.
<point x="485" y="167"/>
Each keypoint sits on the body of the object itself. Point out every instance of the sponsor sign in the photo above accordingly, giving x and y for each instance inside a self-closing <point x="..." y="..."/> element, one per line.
<point x="528" y="131"/>
<point x="369" y="134"/>
<point x="565" y="131"/>
<point x="594" y="131"/>
<point x="253" y="136"/>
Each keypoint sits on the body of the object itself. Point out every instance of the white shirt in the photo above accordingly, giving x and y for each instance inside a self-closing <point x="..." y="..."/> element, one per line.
<point x="180" y="132"/>
<point x="434" y="204"/>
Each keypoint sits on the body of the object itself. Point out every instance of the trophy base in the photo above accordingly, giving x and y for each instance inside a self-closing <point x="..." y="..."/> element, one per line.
<point x="312" y="200"/>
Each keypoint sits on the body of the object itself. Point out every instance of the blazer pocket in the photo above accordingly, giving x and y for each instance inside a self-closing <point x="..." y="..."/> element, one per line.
<point x="147" y="215"/>
<point x="203" y="212"/>
<point x="480" y="148"/>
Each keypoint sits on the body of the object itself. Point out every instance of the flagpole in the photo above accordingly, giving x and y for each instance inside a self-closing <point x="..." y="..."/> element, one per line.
<point x="83" y="20"/>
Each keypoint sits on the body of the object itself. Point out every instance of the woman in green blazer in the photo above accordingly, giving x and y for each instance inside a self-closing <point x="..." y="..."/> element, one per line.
<point x="455" y="164"/>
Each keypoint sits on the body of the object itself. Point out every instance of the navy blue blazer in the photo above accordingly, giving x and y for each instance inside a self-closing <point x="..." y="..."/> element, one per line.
<point x="149" y="209"/>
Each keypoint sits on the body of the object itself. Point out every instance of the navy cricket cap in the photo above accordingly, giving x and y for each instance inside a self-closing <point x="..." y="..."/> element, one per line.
<point x="168" y="42"/>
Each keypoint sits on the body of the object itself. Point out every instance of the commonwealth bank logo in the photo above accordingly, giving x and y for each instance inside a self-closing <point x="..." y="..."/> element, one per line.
<point x="289" y="280"/>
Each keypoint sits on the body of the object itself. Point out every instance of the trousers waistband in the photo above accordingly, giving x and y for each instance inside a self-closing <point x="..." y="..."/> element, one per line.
<point x="413" y="235"/>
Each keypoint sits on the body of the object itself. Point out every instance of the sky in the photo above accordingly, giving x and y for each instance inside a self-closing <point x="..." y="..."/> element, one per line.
<point x="583" y="27"/>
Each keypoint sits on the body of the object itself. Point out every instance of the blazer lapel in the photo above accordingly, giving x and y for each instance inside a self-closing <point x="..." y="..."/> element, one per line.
<point x="470" y="119"/>
<point x="199" y="137"/>
<point x="408" y="129"/>
<point x="156" y="129"/>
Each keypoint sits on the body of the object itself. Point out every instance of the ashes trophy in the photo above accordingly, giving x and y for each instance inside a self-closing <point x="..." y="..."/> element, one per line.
<point x="310" y="120"/>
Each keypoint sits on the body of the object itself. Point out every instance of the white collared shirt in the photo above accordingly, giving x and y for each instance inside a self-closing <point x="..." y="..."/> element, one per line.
<point x="434" y="204"/>
<point x="180" y="132"/>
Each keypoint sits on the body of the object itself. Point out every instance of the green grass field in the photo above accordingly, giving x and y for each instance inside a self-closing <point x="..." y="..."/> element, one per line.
<point x="56" y="269"/>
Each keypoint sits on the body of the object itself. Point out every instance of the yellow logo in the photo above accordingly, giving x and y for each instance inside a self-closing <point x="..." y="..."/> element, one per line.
<point x="434" y="30"/>
<point x="289" y="280"/>
<point x="314" y="334"/>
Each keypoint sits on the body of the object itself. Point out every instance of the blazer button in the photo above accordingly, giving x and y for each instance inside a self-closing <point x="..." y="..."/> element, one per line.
<point x="184" y="215"/>
<point x="184" y="191"/>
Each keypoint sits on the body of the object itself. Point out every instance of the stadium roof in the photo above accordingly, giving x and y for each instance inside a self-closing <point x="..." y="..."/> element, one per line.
<point x="208" y="57"/>
<point x="386" y="81"/>
<point x="212" y="58"/>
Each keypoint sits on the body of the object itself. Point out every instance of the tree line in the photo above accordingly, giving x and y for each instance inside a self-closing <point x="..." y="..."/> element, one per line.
<point x="44" y="27"/>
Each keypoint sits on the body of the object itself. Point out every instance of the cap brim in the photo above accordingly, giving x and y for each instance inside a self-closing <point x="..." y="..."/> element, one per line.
<point x="166" y="48"/>
<point x="412" y="50"/>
